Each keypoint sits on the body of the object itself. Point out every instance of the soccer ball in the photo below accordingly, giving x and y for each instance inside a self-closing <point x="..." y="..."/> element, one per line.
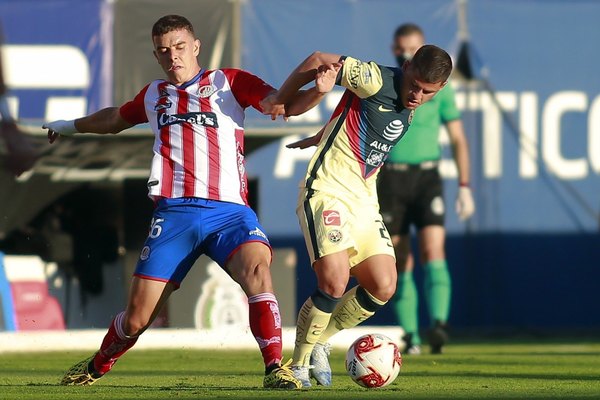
<point x="373" y="361"/>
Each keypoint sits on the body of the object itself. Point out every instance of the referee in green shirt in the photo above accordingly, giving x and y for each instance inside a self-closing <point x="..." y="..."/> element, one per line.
<point x="410" y="192"/>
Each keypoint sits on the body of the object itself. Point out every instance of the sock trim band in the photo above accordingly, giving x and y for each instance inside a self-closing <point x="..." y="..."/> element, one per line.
<point x="323" y="301"/>
<point x="367" y="301"/>
<point x="262" y="297"/>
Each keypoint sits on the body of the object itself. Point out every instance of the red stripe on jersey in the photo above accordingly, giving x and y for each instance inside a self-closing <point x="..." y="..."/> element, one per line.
<point x="188" y="147"/>
<point x="340" y="106"/>
<point x="134" y="111"/>
<point x="239" y="145"/>
<point x="165" y="151"/>
<point x="248" y="89"/>
<point x="213" y="150"/>
<point x="353" y="131"/>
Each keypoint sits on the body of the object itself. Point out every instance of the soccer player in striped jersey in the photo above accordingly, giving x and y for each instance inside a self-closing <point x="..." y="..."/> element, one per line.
<point x="198" y="183"/>
<point x="338" y="207"/>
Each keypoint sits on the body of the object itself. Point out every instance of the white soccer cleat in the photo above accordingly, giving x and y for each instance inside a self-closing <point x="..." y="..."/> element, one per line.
<point x="414" y="350"/>
<point x="301" y="373"/>
<point x="319" y="360"/>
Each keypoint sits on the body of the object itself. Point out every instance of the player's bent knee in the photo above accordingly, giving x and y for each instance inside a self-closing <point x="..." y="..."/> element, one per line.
<point x="385" y="293"/>
<point x="333" y="289"/>
<point x="133" y="330"/>
<point x="135" y="326"/>
<point x="253" y="278"/>
<point x="383" y="290"/>
<point x="388" y="288"/>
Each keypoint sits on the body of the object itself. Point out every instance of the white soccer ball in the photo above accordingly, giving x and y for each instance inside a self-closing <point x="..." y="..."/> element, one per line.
<point x="373" y="360"/>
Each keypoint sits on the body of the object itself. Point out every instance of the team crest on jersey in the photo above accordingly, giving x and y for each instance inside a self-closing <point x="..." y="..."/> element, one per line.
<point x="375" y="158"/>
<point x="331" y="217"/>
<point x="206" y="91"/>
<point x="334" y="236"/>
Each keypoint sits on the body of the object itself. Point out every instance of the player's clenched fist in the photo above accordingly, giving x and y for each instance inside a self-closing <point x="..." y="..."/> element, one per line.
<point x="272" y="106"/>
<point x="60" y="128"/>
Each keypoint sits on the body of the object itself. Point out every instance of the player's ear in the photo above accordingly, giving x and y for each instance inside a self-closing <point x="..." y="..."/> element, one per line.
<point x="197" y="45"/>
<point x="156" y="56"/>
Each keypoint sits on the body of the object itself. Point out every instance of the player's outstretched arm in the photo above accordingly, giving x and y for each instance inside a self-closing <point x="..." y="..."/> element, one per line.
<point x="324" y="82"/>
<point x="304" y="73"/>
<point x="303" y="100"/>
<point x="107" y="120"/>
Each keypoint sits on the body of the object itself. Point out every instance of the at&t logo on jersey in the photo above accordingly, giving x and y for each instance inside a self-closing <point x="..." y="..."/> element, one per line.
<point x="394" y="130"/>
<point x="381" y="146"/>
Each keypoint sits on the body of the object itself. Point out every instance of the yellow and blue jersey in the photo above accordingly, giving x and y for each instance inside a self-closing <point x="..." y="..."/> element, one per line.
<point x="368" y="121"/>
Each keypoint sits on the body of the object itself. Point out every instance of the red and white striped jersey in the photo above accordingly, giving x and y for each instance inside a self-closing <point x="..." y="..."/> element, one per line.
<point x="199" y="133"/>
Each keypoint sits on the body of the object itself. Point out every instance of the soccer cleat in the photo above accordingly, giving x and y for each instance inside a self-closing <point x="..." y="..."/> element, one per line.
<point x="437" y="337"/>
<point x="281" y="377"/>
<point x="81" y="374"/>
<point x="414" y="350"/>
<point x="409" y="347"/>
<point x="301" y="374"/>
<point x="319" y="360"/>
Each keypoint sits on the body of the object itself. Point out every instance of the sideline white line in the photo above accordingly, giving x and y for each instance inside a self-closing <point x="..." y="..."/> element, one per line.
<point x="168" y="338"/>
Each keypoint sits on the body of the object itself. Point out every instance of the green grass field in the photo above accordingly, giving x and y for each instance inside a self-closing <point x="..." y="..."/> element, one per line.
<point x="467" y="371"/>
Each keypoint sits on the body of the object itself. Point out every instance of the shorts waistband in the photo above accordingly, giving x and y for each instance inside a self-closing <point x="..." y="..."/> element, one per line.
<point x="406" y="166"/>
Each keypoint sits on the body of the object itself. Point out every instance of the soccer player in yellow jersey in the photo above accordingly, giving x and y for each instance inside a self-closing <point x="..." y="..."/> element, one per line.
<point x="338" y="207"/>
<point x="410" y="191"/>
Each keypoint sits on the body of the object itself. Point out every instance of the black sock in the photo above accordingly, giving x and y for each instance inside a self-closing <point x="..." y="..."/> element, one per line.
<point x="271" y="367"/>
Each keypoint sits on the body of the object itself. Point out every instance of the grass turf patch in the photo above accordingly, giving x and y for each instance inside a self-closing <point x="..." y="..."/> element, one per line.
<point x="467" y="371"/>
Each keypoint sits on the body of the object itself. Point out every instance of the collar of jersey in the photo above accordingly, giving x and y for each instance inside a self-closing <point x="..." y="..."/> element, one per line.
<point x="193" y="80"/>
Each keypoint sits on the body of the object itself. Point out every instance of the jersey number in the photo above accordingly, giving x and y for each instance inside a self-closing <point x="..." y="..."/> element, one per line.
<point x="155" y="228"/>
<point x="384" y="233"/>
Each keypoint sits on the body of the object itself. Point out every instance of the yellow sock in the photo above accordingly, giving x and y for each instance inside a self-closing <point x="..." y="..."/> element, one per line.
<point x="349" y="312"/>
<point x="310" y="326"/>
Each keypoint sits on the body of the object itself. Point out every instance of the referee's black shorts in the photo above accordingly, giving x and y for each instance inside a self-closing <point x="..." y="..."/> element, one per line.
<point x="410" y="194"/>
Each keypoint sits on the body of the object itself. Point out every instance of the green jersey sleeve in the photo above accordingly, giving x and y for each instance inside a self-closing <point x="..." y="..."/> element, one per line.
<point x="448" y="109"/>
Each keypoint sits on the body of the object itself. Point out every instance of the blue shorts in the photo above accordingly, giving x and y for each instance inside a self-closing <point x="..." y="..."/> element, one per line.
<point x="184" y="228"/>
